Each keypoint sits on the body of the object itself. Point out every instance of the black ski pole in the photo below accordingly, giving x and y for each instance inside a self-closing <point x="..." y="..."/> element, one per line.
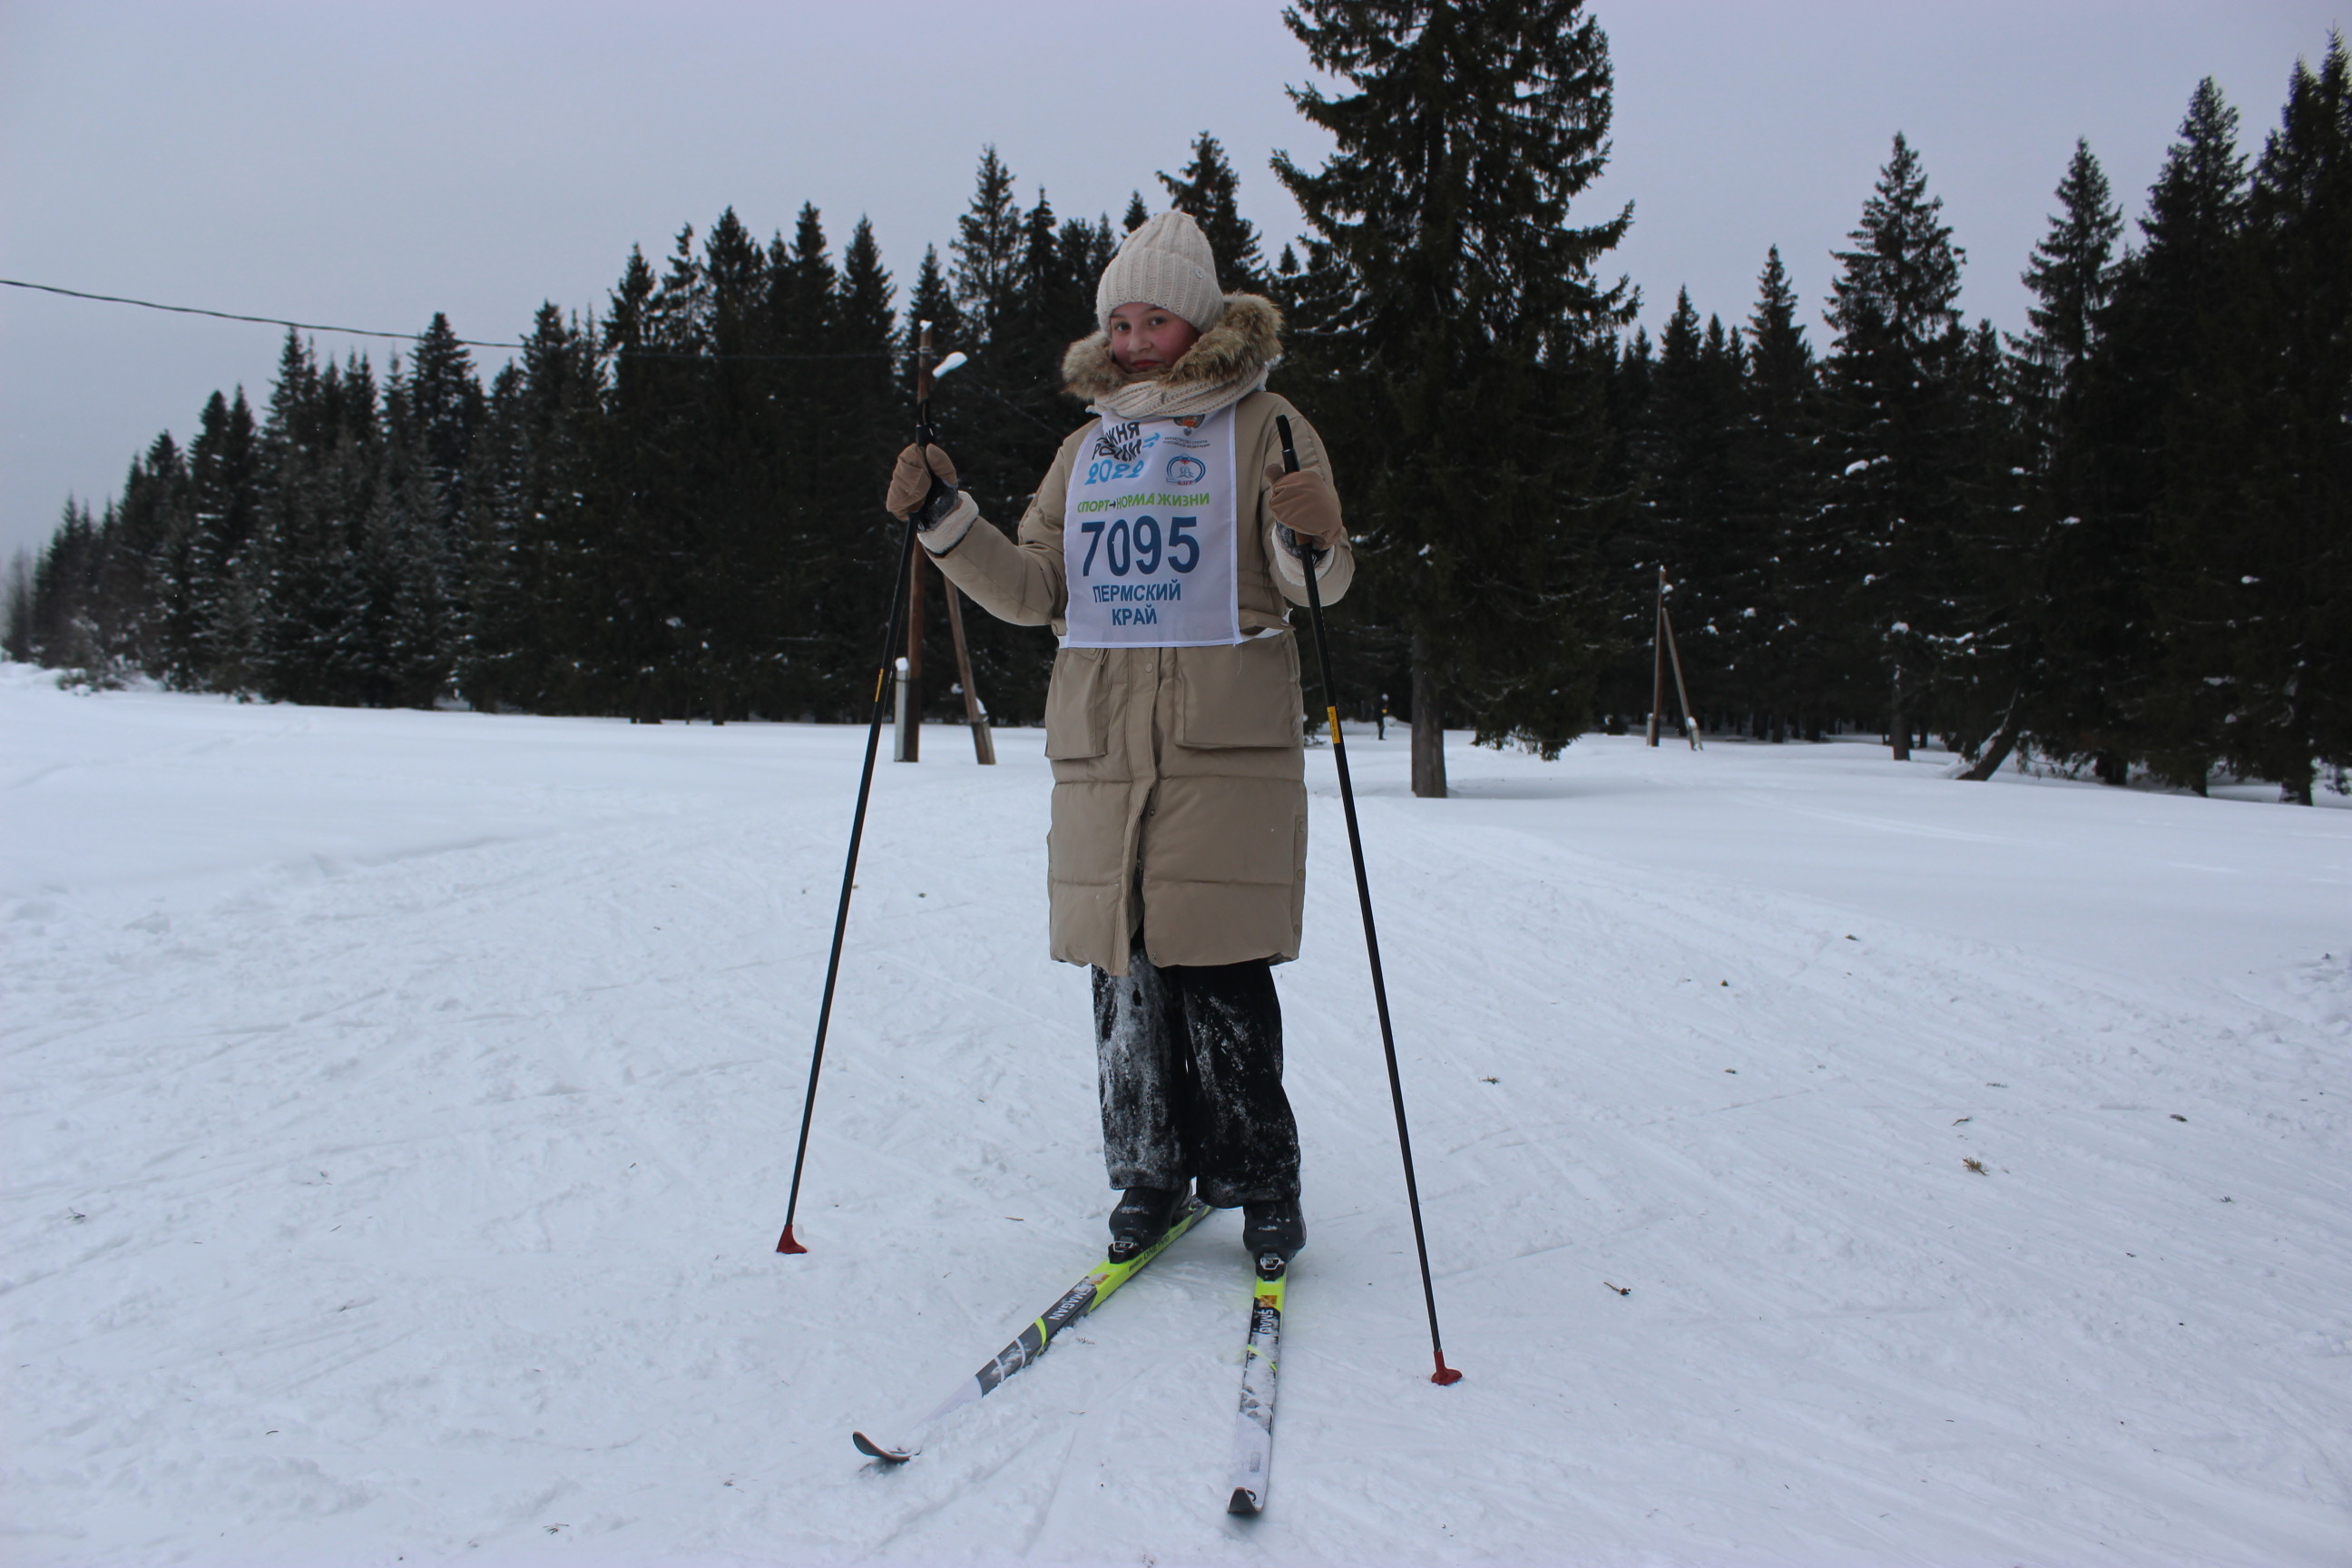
<point x="1444" y="1374"/>
<point x="906" y="547"/>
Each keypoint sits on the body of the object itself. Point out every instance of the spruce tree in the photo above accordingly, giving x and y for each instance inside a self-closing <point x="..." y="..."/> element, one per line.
<point x="992" y="414"/>
<point x="849" y="564"/>
<point x="145" y="557"/>
<point x="1779" y="484"/>
<point x="16" y="609"/>
<point x="803" y="284"/>
<point x="1024" y="288"/>
<point x="2162" y="317"/>
<point x="534" y="602"/>
<point x="2069" y="591"/>
<point x="1733" y="619"/>
<point x="747" y="461"/>
<point x="933" y="301"/>
<point x="445" y="402"/>
<point x="1086" y="249"/>
<point x="1899" y="434"/>
<point x="1991" y="575"/>
<point x="2253" y="525"/>
<point x="410" y="583"/>
<point x="1465" y="342"/>
<point x="1629" y="553"/>
<point x="1690" y="495"/>
<point x="314" y="598"/>
<point x="987" y="249"/>
<point x="289" y="563"/>
<point x="64" y="634"/>
<point x="657" y="331"/>
<point x="1049" y="302"/>
<point x="416" y="540"/>
<point x="212" y="617"/>
<point x="496" y="626"/>
<point x="1206" y="191"/>
<point x="2071" y="275"/>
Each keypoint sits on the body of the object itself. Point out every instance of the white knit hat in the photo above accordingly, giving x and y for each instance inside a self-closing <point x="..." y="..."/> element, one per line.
<point x="1167" y="263"/>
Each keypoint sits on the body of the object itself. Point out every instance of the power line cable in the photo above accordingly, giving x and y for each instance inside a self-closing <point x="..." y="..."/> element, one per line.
<point x="472" y="343"/>
<point x="402" y="337"/>
<point x="1016" y="408"/>
<point x="232" y="316"/>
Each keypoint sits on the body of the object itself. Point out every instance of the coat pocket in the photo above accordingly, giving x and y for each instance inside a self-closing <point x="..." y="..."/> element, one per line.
<point x="1242" y="695"/>
<point x="1076" y="702"/>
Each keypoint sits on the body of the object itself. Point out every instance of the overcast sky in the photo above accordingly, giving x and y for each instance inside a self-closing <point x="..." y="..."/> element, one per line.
<point x="366" y="164"/>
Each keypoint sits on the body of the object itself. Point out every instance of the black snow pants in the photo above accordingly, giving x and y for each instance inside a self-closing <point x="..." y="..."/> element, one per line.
<point x="1190" y="1065"/>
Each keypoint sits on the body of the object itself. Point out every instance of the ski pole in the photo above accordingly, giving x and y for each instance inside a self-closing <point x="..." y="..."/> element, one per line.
<point x="1444" y="1374"/>
<point x="923" y="377"/>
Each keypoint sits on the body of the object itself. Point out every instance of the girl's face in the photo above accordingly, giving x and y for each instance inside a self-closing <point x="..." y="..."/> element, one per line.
<point x="1145" y="340"/>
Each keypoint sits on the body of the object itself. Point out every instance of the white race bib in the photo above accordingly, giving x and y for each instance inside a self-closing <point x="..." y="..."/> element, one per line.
<point x="1149" y="539"/>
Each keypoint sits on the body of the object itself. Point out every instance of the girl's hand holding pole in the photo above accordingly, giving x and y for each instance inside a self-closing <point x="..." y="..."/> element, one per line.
<point x="1304" y="504"/>
<point x="924" y="477"/>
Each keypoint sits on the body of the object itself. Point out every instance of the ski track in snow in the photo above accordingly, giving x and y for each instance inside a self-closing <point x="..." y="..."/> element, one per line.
<point x="399" y="1111"/>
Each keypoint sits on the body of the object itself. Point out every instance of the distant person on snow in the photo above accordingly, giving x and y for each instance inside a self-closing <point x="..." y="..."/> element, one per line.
<point x="1161" y="548"/>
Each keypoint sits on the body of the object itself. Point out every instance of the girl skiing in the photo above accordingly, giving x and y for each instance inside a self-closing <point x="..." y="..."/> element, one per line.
<point x="1162" y="547"/>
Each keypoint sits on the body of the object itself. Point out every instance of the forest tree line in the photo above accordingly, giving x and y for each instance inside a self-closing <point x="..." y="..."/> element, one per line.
<point x="2119" y="540"/>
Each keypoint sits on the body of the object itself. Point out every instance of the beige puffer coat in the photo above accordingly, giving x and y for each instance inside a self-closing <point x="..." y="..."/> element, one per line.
<point x="1179" y="773"/>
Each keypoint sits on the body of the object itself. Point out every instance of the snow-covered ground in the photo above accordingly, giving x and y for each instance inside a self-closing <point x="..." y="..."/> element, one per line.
<point x="399" y="1108"/>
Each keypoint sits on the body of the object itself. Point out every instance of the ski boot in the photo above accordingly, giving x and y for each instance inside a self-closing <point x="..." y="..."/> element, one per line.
<point x="1140" y="1219"/>
<point x="1272" y="1232"/>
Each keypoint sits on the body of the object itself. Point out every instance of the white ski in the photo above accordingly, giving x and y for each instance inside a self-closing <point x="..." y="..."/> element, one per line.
<point x="1254" y="1427"/>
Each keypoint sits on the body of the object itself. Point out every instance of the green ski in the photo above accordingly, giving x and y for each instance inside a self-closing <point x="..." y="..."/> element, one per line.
<point x="1075" y="1303"/>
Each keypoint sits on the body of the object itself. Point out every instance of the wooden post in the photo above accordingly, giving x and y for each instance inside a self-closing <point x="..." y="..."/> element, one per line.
<point x="983" y="744"/>
<point x="909" y="747"/>
<point x="1658" y="646"/>
<point x="1690" y="721"/>
<point x="1898" y="733"/>
<point x="910" y="736"/>
<point x="898" y="704"/>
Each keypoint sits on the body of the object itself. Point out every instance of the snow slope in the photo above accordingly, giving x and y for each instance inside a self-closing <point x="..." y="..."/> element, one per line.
<point x="399" y="1110"/>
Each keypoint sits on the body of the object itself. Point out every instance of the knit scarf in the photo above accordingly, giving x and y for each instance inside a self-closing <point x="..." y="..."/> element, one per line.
<point x="1225" y="364"/>
<point x="1155" y="399"/>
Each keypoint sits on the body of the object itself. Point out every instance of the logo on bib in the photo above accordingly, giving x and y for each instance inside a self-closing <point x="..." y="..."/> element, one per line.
<point x="1122" y="443"/>
<point x="1183" y="471"/>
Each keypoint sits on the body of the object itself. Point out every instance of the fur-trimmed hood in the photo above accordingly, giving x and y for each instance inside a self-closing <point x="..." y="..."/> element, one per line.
<point x="1230" y="361"/>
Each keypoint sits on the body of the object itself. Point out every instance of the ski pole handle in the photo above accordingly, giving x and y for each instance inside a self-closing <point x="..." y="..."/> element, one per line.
<point x="1307" y="551"/>
<point x="1310" y="555"/>
<point x="923" y="389"/>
